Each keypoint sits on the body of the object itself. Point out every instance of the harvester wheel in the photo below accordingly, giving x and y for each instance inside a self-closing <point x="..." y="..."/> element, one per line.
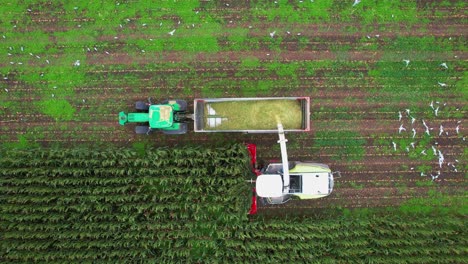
<point x="143" y="106"/>
<point x="142" y="130"/>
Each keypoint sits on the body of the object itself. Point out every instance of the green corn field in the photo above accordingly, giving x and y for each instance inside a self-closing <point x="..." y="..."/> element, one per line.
<point x="186" y="205"/>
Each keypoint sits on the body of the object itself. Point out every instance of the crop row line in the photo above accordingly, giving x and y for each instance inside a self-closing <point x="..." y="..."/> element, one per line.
<point x="110" y="129"/>
<point x="319" y="95"/>
<point x="39" y="118"/>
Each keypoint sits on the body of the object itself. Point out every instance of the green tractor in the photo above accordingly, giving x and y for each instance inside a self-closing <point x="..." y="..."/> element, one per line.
<point x="168" y="117"/>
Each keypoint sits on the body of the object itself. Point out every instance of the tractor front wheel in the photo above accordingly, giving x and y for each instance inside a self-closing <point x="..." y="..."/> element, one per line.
<point x="142" y="106"/>
<point x="140" y="130"/>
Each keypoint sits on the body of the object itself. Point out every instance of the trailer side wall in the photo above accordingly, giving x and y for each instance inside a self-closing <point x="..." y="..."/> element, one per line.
<point x="201" y="116"/>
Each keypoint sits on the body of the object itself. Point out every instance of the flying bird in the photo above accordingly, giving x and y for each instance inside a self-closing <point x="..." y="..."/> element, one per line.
<point x="272" y="34"/>
<point x="172" y="32"/>
<point x="457" y="129"/>
<point x="412" y="144"/>
<point x="444" y="65"/>
<point x="427" y="128"/>
<point x="407" y="62"/>
<point x="432" y="105"/>
<point x="441" y="130"/>
<point x="436" y="111"/>
<point x="399" y="116"/>
<point x="441" y="159"/>
<point x="434" y="150"/>
<point x="442" y="84"/>
<point x="407" y="111"/>
<point x="434" y="177"/>
<point x="76" y="63"/>
<point x="423" y="152"/>
<point x="356" y="2"/>
<point x="401" y="128"/>
<point x="414" y="132"/>
<point x="413" y="120"/>
<point x="394" y="146"/>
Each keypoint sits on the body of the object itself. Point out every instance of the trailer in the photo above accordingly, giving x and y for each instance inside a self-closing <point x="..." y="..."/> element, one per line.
<point x="247" y="115"/>
<point x="252" y="115"/>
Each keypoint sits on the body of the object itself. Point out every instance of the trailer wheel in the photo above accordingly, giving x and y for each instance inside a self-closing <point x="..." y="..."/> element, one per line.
<point x="143" y="106"/>
<point x="140" y="130"/>
<point x="180" y="131"/>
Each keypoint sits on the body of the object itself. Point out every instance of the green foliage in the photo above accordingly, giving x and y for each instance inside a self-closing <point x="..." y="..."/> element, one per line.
<point x="189" y="205"/>
<point x="342" y="144"/>
<point x="249" y="63"/>
<point x="59" y="109"/>
<point x="22" y="143"/>
<point x="300" y="11"/>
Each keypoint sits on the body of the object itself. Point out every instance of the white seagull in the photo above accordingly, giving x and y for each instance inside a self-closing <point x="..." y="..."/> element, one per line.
<point x="399" y="116"/>
<point x="356" y="2"/>
<point x="442" y="84"/>
<point x="412" y="144"/>
<point x="407" y="112"/>
<point x="413" y="120"/>
<point x="434" y="150"/>
<point x="434" y="177"/>
<point x="414" y="132"/>
<point x="441" y="130"/>
<point x="272" y="34"/>
<point x="427" y="128"/>
<point x="436" y="111"/>
<point x="444" y="65"/>
<point x="407" y="62"/>
<point x="457" y="129"/>
<point x="441" y="159"/>
<point x="401" y="128"/>
<point x="432" y="105"/>
<point x="423" y="152"/>
<point x="394" y="146"/>
<point x="172" y="32"/>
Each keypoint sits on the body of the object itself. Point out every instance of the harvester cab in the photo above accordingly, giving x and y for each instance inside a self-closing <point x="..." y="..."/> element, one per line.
<point x="168" y="117"/>
<point x="279" y="182"/>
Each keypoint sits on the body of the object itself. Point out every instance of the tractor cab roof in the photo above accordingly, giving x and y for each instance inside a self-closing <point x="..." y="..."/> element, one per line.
<point x="160" y="116"/>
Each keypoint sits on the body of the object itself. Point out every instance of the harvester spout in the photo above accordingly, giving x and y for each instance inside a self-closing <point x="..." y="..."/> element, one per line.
<point x="284" y="158"/>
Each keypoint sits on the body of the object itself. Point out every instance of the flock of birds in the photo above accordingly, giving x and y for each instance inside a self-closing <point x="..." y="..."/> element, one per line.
<point x="443" y="65"/>
<point x="435" y="148"/>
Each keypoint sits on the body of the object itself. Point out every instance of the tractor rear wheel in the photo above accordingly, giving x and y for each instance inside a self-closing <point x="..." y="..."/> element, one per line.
<point x="182" y="130"/>
<point x="140" y="130"/>
<point x="143" y="106"/>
